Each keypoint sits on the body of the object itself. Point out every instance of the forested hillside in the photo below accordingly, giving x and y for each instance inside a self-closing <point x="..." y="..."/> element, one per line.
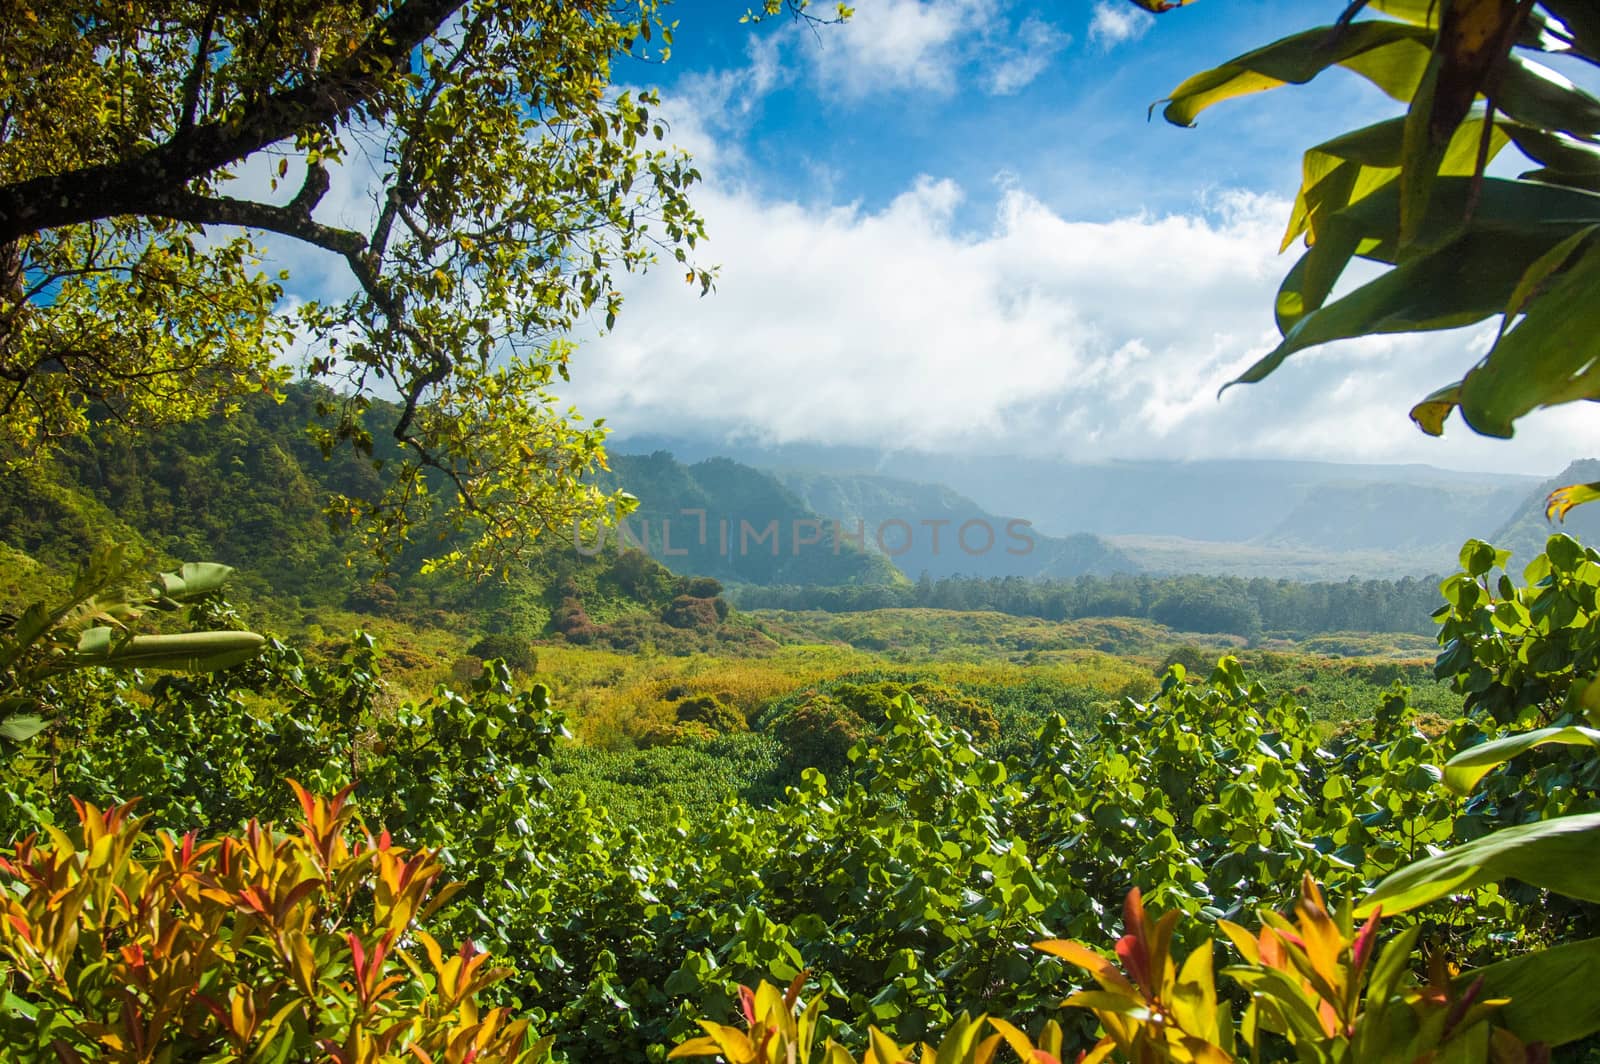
<point x="1527" y="527"/>
<point x="250" y="489"/>
<point x="931" y="529"/>
<point x="719" y="518"/>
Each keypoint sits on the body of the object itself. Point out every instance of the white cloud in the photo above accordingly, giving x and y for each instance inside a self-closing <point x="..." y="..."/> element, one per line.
<point x="1117" y="22"/>
<point x="730" y="97"/>
<point x="936" y="46"/>
<point x="1041" y="334"/>
<point x="1015" y="65"/>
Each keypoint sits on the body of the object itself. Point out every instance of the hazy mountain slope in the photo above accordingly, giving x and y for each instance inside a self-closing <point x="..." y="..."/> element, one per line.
<point x="742" y="525"/>
<point x="929" y="528"/>
<point x="1274" y="503"/>
<point x="1419" y="516"/>
<point x="1525" y="531"/>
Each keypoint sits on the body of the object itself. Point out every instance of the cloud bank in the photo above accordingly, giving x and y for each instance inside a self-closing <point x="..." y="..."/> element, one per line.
<point x="1037" y="334"/>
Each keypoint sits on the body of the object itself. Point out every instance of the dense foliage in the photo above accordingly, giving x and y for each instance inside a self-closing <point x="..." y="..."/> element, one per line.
<point x="911" y="882"/>
<point x="1184" y="603"/>
<point x="142" y="148"/>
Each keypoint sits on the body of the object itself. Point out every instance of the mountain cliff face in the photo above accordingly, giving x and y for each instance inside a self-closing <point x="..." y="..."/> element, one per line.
<point x="928" y="528"/>
<point x="1525" y="532"/>
<point x="1396" y="516"/>
<point x="722" y="519"/>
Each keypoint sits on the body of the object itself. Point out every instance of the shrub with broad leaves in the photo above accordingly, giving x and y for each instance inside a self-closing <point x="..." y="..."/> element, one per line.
<point x="120" y="945"/>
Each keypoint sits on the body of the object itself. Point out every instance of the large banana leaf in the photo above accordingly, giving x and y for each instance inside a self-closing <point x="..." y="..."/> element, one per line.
<point x="1551" y="356"/>
<point x="1551" y="992"/>
<point x="1392" y="55"/>
<point x="1530" y="219"/>
<point x="1563" y="159"/>
<point x="1535" y="95"/>
<point x="1462" y="772"/>
<point x="184" y="652"/>
<point x="1353" y="166"/>
<point x="1562" y="855"/>
<point x="1466" y="281"/>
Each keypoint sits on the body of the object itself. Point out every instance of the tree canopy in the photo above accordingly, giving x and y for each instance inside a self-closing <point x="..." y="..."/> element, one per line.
<point x="1411" y="193"/>
<point x="146" y="146"/>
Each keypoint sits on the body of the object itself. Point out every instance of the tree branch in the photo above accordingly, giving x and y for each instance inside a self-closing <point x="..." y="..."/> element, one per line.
<point x="127" y="185"/>
<point x="294" y="219"/>
<point x="197" y="74"/>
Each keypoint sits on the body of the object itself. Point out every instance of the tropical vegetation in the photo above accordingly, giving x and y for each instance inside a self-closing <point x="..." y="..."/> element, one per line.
<point x="594" y="810"/>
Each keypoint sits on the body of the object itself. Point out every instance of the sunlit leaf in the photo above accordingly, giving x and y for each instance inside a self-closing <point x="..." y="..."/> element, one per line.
<point x="1561" y="855"/>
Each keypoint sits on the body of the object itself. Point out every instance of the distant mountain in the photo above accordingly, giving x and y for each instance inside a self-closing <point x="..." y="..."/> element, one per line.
<point x="1525" y="532"/>
<point x="722" y="519"/>
<point x="1276" y="518"/>
<point x="928" y="528"/>
<point x="1395" y="515"/>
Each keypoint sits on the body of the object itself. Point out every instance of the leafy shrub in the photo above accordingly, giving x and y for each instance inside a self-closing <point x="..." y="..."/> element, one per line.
<point x="712" y="711"/>
<point x="261" y="945"/>
<point x="688" y="612"/>
<point x="820" y="732"/>
<point x="1318" y="984"/>
<point x="779" y="1027"/>
<point x="517" y="653"/>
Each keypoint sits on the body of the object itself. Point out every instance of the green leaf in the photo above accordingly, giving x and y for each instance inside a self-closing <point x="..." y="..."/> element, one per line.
<point x="1552" y="992"/>
<point x="1462" y="772"/>
<point x="1564" y="160"/>
<point x="1459" y="284"/>
<point x="185" y="652"/>
<point x="193" y="579"/>
<point x="1537" y="96"/>
<point x="1549" y="358"/>
<point x="1582" y="19"/>
<point x="1347" y="169"/>
<point x="1562" y="855"/>
<point x="1392" y="55"/>
<point x="1539" y="273"/>
<point x="1525" y="215"/>
<point x="1476" y="557"/>
<point x="21" y="728"/>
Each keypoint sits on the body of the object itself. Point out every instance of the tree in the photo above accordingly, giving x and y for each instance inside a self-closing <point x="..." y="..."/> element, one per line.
<point x="1411" y="193"/>
<point x="145" y="146"/>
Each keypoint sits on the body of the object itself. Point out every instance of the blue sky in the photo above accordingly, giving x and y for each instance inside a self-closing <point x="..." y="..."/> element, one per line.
<point x="1055" y="94"/>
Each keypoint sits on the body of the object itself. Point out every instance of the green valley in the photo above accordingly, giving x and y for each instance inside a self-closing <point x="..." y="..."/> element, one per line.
<point x="427" y="637"/>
